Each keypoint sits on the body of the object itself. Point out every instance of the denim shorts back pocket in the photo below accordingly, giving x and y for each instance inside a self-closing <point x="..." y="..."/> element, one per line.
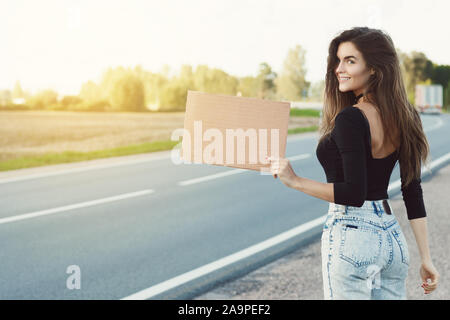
<point x="360" y="244"/>
<point x="401" y="241"/>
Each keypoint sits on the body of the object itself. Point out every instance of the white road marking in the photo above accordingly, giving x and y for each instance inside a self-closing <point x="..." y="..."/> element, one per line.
<point x="439" y="123"/>
<point x="74" y="206"/>
<point x="191" y="275"/>
<point x="433" y="164"/>
<point x="79" y="169"/>
<point x="211" y="177"/>
<point x="299" y="157"/>
<point x="232" y="172"/>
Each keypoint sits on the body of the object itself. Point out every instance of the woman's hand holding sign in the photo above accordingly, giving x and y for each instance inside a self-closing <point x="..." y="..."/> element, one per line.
<point x="282" y="167"/>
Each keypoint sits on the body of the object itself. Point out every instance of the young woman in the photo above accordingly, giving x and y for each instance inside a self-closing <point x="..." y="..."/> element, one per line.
<point x="368" y="124"/>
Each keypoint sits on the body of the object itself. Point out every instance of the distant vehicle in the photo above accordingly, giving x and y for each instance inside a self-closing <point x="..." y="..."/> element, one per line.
<point x="428" y="98"/>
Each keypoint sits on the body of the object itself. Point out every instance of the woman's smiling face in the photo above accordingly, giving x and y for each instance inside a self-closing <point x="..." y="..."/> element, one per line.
<point x="351" y="71"/>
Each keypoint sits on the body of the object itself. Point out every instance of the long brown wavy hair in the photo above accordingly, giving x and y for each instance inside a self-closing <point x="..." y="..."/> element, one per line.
<point x="386" y="91"/>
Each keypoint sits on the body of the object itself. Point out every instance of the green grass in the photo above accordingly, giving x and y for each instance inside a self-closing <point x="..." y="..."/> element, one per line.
<point x="305" y="113"/>
<point x="75" y="156"/>
<point x="301" y="130"/>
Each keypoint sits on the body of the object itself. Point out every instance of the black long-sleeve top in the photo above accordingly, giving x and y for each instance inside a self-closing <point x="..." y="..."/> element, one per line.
<point x="348" y="163"/>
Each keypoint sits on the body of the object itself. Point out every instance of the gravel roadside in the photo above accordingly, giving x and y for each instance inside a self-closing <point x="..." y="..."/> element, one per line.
<point x="298" y="275"/>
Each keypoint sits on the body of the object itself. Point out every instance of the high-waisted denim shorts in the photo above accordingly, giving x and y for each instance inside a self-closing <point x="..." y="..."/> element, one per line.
<point x="364" y="252"/>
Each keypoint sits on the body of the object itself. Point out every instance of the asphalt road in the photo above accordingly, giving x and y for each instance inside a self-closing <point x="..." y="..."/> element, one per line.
<point x="298" y="275"/>
<point x="142" y="222"/>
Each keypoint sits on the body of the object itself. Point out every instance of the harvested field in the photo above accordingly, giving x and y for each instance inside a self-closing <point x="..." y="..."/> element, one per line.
<point x="24" y="133"/>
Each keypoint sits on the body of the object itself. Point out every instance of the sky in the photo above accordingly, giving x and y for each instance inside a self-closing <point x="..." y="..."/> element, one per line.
<point x="60" y="44"/>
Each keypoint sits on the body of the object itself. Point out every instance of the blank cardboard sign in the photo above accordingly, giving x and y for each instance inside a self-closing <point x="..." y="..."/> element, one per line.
<point x="233" y="131"/>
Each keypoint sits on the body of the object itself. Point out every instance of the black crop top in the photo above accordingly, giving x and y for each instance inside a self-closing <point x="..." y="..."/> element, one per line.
<point x="346" y="156"/>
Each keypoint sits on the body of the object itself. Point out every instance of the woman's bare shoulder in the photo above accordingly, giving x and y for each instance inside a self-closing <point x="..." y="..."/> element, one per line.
<point x="367" y="107"/>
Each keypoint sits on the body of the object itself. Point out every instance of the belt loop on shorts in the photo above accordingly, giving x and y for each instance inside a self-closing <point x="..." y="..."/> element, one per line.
<point x="375" y="206"/>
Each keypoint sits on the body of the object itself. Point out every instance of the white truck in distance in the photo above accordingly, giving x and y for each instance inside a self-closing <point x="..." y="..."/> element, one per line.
<point x="429" y="98"/>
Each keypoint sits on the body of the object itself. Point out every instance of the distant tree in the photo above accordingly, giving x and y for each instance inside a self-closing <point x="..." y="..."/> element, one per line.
<point x="248" y="86"/>
<point x="317" y="90"/>
<point x="186" y="76"/>
<point x="173" y="97"/>
<point x="127" y="94"/>
<point x="447" y="97"/>
<point x="5" y="98"/>
<point x="291" y="81"/>
<point x="44" y="99"/>
<point x="266" y="82"/>
<point x="69" y="102"/>
<point x="109" y="80"/>
<point x="416" y="68"/>
<point x="153" y="85"/>
<point x="90" y="92"/>
<point x="441" y="75"/>
<point x="214" y="81"/>
<point x="173" y="93"/>
<point x="17" y="91"/>
<point x="165" y="71"/>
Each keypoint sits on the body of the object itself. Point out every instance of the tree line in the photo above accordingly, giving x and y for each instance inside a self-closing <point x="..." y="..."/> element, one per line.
<point x="139" y="90"/>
